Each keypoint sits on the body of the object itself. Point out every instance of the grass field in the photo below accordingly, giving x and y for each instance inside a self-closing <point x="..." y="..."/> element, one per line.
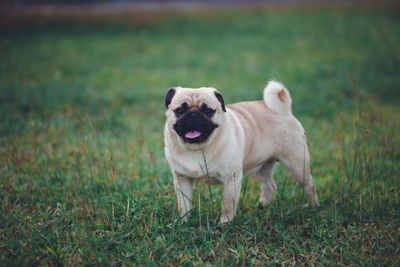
<point x="84" y="180"/>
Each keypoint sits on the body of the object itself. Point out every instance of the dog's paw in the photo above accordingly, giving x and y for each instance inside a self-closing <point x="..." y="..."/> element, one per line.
<point x="225" y="219"/>
<point x="265" y="199"/>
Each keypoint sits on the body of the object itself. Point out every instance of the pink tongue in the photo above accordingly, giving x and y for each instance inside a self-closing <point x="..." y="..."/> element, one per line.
<point x="192" y="134"/>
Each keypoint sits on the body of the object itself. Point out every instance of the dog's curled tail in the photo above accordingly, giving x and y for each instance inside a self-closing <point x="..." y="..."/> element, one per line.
<point x="277" y="98"/>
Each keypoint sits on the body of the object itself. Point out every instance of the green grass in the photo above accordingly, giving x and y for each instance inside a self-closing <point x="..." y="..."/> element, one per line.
<point x="83" y="176"/>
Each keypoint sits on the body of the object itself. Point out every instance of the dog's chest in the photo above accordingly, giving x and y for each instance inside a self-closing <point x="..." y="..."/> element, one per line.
<point x="195" y="166"/>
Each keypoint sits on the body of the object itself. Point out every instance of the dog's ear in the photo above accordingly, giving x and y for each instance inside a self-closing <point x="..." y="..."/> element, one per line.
<point x="169" y="96"/>
<point x="220" y="99"/>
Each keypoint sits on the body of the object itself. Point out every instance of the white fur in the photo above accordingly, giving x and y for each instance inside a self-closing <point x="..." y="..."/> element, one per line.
<point x="273" y="101"/>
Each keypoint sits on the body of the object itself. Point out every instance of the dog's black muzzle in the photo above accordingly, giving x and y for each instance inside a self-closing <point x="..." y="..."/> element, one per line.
<point x="193" y="123"/>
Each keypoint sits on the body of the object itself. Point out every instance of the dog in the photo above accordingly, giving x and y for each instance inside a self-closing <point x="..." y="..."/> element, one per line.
<point x="218" y="144"/>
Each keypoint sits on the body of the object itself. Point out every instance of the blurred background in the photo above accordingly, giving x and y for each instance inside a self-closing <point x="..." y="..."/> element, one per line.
<point x="161" y="3"/>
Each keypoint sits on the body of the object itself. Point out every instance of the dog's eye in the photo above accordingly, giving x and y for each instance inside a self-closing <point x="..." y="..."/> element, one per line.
<point x="207" y="111"/>
<point x="179" y="111"/>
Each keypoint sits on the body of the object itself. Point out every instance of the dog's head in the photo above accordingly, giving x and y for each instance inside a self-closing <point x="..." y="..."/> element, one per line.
<point x="194" y="114"/>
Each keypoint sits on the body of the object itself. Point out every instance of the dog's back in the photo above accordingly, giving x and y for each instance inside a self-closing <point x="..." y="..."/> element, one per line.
<point x="268" y="126"/>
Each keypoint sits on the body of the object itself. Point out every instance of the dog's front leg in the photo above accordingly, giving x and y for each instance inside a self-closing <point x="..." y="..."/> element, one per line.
<point x="232" y="185"/>
<point x="184" y="193"/>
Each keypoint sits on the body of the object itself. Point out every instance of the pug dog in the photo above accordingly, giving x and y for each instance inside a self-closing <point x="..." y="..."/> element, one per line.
<point x="218" y="144"/>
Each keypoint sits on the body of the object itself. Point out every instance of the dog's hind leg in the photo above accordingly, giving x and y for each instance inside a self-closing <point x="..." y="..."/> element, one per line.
<point x="265" y="178"/>
<point x="297" y="160"/>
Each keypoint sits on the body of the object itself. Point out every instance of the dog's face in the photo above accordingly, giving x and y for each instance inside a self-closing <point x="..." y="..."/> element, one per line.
<point x="194" y="114"/>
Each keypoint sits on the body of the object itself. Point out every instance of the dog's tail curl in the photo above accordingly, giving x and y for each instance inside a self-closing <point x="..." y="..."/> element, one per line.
<point x="277" y="98"/>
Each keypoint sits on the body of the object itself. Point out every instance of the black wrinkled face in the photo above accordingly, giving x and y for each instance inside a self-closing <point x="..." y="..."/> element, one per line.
<point x="194" y="125"/>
